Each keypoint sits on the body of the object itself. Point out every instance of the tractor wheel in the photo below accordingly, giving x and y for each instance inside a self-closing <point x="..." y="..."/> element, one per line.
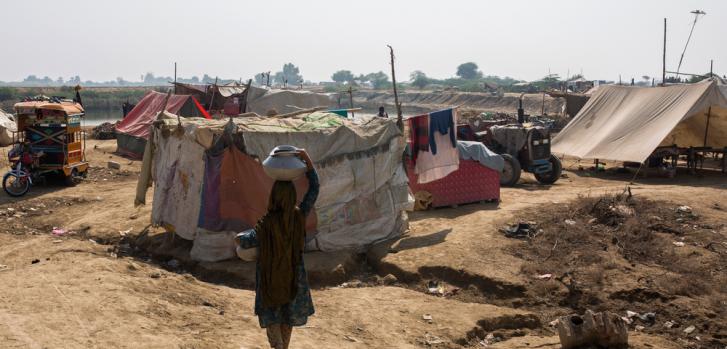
<point x="552" y="176"/>
<point x="510" y="172"/>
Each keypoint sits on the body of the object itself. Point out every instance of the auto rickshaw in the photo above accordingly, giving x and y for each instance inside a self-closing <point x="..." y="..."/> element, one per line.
<point x="49" y="141"/>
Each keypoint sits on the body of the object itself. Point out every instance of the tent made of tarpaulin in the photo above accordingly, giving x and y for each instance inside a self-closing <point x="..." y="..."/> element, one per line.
<point x="7" y="127"/>
<point x="286" y="101"/>
<point x="209" y="183"/>
<point x="624" y="123"/>
<point x="133" y="131"/>
<point x="212" y="97"/>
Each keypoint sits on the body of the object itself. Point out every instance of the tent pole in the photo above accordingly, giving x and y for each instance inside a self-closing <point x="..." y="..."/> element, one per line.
<point x="706" y="129"/>
<point x="663" y="64"/>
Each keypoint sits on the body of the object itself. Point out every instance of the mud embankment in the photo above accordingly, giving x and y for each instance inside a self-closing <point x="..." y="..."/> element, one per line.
<point x="421" y="102"/>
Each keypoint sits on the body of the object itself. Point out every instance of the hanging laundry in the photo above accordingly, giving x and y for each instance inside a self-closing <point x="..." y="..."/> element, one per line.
<point x="442" y="122"/>
<point x="419" y="134"/>
<point x="433" y="165"/>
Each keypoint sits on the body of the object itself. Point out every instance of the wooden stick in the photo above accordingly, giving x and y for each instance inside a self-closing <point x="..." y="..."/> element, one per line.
<point x="350" y="98"/>
<point x="399" y="118"/>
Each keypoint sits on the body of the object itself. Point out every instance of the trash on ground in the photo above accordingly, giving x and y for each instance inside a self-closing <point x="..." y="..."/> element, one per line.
<point x="690" y="329"/>
<point x="521" y="230"/>
<point x="544" y="276"/>
<point x="435" y="287"/>
<point x="678" y="243"/>
<point x="58" y="231"/>
<point x="684" y="209"/>
<point x="603" y="329"/>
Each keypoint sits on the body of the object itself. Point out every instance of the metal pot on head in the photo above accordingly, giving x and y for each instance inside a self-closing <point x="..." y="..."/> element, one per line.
<point x="283" y="163"/>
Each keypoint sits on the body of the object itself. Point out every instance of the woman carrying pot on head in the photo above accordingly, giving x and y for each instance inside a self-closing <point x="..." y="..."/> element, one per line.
<point x="282" y="295"/>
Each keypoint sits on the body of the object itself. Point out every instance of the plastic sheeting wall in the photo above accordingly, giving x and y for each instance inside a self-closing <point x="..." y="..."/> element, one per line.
<point x="362" y="198"/>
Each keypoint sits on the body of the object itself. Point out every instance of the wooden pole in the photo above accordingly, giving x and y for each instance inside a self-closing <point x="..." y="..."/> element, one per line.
<point x="399" y="117"/>
<point x="175" y="78"/>
<point x="212" y="98"/>
<point x="243" y="107"/>
<point x="663" y="62"/>
<point x="706" y="129"/>
<point x="350" y="98"/>
<point x="711" y="68"/>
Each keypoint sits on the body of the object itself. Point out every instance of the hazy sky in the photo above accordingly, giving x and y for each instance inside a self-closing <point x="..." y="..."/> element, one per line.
<point x="101" y="40"/>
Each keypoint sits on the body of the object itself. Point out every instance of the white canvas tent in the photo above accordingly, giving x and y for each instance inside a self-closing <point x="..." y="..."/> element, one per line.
<point x="624" y="123"/>
<point x="7" y="127"/>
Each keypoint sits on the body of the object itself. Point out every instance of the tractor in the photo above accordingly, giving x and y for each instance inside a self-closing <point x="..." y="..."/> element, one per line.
<point x="523" y="146"/>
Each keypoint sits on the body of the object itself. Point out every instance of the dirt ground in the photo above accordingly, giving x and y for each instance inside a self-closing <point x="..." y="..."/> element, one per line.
<point x="89" y="286"/>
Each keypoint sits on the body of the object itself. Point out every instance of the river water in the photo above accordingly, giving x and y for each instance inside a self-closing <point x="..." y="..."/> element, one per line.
<point x="97" y="117"/>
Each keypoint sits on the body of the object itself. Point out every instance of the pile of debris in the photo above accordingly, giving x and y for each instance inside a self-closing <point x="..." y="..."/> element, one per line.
<point x="661" y="263"/>
<point x="106" y="130"/>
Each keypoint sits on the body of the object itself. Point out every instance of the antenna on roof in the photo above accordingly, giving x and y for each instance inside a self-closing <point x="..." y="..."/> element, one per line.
<point x="696" y="14"/>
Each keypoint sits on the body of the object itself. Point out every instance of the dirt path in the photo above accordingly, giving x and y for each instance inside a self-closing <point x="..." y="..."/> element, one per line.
<point x="71" y="292"/>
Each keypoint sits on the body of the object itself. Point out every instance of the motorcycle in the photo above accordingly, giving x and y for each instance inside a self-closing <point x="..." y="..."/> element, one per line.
<point x="18" y="180"/>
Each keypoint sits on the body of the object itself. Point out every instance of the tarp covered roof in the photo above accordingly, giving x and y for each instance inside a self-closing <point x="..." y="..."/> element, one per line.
<point x="286" y="101"/>
<point x="226" y="90"/>
<point x="69" y="107"/>
<point x="625" y="123"/>
<point x="137" y="122"/>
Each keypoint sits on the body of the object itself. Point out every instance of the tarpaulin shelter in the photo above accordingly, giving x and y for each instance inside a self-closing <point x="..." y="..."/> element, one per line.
<point x="286" y="101"/>
<point x="215" y="97"/>
<point x="133" y="131"/>
<point x="7" y="127"/>
<point x="209" y="183"/>
<point x="625" y="123"/>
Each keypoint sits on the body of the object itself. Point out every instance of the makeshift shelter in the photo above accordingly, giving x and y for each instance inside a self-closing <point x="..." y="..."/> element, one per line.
<point x="626" y="123"/>
<point x="216" y="98"/>
<point x="7" y="127"/>
<point x="209" y="183"/>
<point x="133" y="131"/>
<point x="286" y="101"/>
<point x="231" y="99"/>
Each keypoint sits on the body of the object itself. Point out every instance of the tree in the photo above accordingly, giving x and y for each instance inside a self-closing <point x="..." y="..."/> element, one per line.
<point x="279" y="78"/>
<point x="468" y="71"/>
<point x="378" y="80"/>
<point x="260" y="79"/>
<point x="342" y="76"/>
<point x="698" y="78"/>
<point x="419" y="79"/>
<point x="289" y="75"/>
<point x="206" y="79"/>
<point x="59" y="81"/>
